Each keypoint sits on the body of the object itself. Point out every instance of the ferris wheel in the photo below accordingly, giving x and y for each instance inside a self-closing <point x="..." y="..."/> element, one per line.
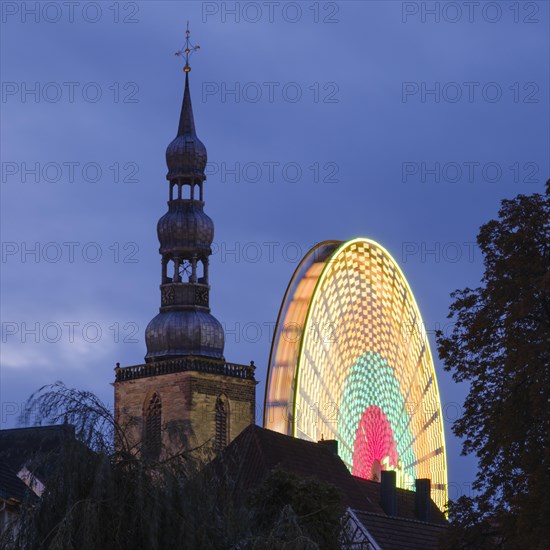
<point x="351" y="361"/>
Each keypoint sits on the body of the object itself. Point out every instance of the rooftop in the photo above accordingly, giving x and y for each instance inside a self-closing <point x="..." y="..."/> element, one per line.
<point x="257" y="451"/>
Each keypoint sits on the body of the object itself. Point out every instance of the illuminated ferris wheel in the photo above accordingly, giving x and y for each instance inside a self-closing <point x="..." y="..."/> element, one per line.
<point x="351" y="361"/>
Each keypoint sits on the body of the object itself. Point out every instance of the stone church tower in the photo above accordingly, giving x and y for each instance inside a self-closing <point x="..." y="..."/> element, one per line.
<point x="185" y="394"/>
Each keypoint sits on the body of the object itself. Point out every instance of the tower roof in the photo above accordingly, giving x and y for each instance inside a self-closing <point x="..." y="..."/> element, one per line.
<point x="186" y="155"/>
<point x="184" y="325"/>
<point x="187" y="121"/>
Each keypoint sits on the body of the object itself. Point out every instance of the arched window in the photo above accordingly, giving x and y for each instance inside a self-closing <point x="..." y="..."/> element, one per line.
<point x="152" y="432"/>
<point x="222" y="424"/>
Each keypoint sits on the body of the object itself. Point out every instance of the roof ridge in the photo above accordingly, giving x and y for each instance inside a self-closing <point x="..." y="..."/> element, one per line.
<point x="411" y="520"/>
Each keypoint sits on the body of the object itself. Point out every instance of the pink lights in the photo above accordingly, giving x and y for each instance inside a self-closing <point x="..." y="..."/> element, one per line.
<point x="374" y="448"/>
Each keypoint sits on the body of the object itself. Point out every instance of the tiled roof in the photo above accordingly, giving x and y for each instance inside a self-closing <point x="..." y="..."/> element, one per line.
<point x="257" y="451"/>
<point x="401" y="534"/>
<point x="35" y="448"/>
<point x="405" y="501"/>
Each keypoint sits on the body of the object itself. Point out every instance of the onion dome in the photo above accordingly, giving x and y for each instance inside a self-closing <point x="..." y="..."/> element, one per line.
<point x="186" y="155"/>
<point x="182" y="333"/>
<point x="185" y="228"/>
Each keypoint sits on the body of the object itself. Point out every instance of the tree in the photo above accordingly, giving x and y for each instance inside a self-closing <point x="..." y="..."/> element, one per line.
<point x="102" y="495"/>
<point x="500" y="345"/>
<point x="289" y="511"/>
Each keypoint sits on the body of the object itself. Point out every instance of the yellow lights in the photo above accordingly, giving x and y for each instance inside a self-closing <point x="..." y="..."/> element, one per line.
<point x="351" y="361"/>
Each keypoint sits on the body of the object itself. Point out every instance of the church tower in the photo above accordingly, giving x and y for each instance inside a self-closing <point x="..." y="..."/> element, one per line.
<point x="185" y="395"/>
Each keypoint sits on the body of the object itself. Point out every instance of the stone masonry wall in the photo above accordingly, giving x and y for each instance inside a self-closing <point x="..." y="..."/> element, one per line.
<point x="188" y="402"/>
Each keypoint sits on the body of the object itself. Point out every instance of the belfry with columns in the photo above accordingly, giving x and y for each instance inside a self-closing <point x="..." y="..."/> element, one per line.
<point x="185" y="395"/>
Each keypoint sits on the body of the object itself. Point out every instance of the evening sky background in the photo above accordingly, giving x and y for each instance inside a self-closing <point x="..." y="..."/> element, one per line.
<point x="349" y="60"/>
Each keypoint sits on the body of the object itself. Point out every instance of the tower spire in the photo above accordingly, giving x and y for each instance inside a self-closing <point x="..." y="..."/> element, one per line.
<point x="185" y="394"/>
<point x="184" y="325"/>
<point x="187" y="120"/>
<point x="187" y="123"/>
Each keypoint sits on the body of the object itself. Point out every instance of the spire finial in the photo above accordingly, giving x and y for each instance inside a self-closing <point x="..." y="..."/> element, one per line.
<point x="187" y="50"/>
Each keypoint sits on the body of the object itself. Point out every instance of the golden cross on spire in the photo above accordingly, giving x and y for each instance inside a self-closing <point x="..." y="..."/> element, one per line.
<point x="188" y="49"/>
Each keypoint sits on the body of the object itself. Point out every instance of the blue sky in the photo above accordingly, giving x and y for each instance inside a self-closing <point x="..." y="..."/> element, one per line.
<point x="342" y="117"/>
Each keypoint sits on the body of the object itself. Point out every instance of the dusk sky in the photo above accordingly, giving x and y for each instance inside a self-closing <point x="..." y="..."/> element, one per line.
<point x="403" y="122"/>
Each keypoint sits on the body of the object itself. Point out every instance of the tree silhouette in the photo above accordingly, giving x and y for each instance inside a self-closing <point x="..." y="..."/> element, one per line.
<point x="108" y="495"/>
<point x="500" y="345"/>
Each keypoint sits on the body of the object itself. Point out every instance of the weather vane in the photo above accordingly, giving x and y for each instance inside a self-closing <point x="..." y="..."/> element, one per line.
<point x="187" y="50"/>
